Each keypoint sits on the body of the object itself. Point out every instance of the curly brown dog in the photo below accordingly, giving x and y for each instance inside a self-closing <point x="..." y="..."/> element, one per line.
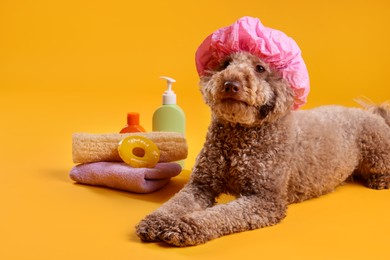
<point x="266" y="155"/>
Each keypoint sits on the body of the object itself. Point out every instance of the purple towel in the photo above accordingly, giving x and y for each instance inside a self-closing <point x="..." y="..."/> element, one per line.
<point x="118" y="175"/>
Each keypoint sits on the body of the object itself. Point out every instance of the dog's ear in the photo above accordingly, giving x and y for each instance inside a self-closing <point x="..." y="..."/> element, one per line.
<point x="204" y="80"/>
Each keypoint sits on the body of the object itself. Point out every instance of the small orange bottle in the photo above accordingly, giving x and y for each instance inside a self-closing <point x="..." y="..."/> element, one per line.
<point x="132" y="124"/>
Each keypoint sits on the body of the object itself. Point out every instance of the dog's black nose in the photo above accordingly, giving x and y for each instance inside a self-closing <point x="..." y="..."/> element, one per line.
<point x="232" y="86"/>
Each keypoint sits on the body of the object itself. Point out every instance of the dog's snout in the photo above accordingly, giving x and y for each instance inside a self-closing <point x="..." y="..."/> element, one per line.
<point x="232" y="86"/>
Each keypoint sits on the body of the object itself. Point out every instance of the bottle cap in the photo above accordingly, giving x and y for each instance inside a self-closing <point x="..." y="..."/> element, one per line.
<point x="132" y="118"/>
<point x="169" y="97"/>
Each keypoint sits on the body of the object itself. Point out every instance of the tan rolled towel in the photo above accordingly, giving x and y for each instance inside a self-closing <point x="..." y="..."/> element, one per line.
<point x="88" y="148"/>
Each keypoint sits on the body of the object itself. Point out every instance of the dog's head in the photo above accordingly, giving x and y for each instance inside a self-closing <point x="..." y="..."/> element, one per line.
<point x="244" y="89"/>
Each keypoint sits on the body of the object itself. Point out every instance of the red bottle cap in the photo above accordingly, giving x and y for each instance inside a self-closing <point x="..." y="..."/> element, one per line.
<point x="132" y="124"/>
<point x="132" y="118"/>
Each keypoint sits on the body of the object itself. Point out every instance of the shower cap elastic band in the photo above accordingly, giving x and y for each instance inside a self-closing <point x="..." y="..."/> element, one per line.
<point x="272" y="46"/>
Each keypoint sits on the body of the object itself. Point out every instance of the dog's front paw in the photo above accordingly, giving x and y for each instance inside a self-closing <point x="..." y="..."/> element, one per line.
<point x="152" y="226"/>
<point x="185" y="232"/>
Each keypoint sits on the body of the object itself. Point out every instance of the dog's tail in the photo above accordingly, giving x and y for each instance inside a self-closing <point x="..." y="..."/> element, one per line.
<point x="382" y="110"/>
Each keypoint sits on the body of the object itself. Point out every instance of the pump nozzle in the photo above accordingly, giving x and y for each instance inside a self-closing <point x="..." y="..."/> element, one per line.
<point x="169" y="82"/>
<point x="169" y="97"/>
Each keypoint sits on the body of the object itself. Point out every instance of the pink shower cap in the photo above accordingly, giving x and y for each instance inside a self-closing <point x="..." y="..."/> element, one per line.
<point x="272" y="46"/>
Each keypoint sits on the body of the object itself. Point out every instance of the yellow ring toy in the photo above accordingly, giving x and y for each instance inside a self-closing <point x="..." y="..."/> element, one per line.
<point x="139" y="152"/>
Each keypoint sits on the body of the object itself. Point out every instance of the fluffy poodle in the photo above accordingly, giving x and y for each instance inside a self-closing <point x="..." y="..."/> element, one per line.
<point x="267" y="155"/>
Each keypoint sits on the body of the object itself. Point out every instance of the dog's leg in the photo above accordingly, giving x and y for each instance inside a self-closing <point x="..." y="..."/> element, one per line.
<point x="190" y="198"/>
<point x="244" y="213"/>
<point x="197" y="195"/>
<point x="377" y="181"/>
<point x="375" y="166"/>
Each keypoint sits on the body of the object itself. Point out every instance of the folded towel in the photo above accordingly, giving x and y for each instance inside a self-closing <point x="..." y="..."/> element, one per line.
<point x="121" y="176"/>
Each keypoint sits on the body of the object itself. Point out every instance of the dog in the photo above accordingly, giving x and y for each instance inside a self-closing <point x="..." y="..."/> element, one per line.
<point x="268" y="156"/>
<point x="259" y="147"/>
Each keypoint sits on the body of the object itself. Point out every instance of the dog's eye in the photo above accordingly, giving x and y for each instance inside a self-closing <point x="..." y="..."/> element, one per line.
<point x="260" y="68"/>
<point x="225" y="64"/>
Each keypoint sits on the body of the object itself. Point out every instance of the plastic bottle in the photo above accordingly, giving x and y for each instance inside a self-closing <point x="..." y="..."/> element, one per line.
<point x="132" y="124"/>
<point x="169" y="117"/>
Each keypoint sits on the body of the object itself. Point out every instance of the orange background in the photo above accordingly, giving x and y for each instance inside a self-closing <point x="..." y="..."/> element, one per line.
<point x="80" y="66"/>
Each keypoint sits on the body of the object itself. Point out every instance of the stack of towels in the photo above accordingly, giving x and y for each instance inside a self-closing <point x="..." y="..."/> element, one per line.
<point x="98" y="161"/>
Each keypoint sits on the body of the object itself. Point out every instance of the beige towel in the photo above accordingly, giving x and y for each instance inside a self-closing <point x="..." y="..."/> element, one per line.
<point x="88" y="148"/>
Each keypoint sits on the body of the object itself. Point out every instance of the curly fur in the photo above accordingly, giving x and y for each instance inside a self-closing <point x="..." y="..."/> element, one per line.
<point x="268" y="156"/>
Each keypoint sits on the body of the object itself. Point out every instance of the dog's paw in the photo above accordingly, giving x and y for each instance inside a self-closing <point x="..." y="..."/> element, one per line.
<point x="184" y="232"/>
<point x="150" y="228"/>
<point x="147" y="232"/>
<point x="378" y="181"/>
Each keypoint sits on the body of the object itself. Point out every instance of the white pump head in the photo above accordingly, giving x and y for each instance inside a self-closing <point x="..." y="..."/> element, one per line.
<point x="169" y="97"/>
